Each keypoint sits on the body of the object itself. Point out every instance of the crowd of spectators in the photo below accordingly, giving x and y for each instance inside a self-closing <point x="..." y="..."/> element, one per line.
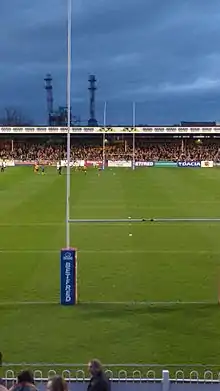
<point x="147" y="150"/>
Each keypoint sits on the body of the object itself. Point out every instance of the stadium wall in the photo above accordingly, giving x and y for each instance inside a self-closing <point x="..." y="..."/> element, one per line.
<point x="161" y="130"/>
<point x="9" y="163"/>
<point x="117" y="163"/>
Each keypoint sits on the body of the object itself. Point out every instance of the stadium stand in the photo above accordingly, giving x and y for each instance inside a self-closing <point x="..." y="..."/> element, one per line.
<point x="145" y="150"/>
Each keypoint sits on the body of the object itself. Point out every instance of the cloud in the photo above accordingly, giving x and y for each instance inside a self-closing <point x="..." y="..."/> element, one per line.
<point x="151" y="51"/>
<point x="200" y="85"/>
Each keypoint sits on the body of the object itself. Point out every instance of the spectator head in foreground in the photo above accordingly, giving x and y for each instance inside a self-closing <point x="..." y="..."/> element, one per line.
<point x="57" y="383"/>
<point x="98" y="381"/>
<point x="25" y="382"/>
<point x="95" y="367"/>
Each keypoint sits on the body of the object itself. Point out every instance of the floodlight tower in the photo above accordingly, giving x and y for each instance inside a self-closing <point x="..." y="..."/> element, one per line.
<point x="49" y="91"/>
<point x="92" y="88"/>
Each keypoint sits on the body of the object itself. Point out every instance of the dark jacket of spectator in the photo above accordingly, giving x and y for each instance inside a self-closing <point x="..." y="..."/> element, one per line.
<point x="98" y="381"/>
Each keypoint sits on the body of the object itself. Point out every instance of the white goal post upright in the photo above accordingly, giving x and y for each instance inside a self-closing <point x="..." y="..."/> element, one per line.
<point x="69" y="59"/>
<point x="103" y="135"/>
<point x="68" y="255"/>
<point x="133" y="125"/>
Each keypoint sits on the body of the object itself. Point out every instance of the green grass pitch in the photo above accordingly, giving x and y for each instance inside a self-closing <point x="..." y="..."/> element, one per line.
<point x="159" y="262"/>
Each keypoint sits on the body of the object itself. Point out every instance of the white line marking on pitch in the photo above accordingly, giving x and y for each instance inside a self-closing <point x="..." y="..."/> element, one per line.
<point x="143" y="207"/>
<point x="15" y="225"/>
<point x="145" y="224"/>
<point x="24" y="251"/>
<point x="20" y="251"/>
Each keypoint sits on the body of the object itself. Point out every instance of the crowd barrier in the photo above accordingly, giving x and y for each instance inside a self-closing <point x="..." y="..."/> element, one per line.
<point x="8" y="163"/>
<point x="137" y="380"/>
<point x="118" y="163"/>
<point x="129" y="164"/>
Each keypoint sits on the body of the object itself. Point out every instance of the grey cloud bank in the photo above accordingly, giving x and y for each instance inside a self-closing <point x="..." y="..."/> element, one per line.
<point x="164" y="55"/>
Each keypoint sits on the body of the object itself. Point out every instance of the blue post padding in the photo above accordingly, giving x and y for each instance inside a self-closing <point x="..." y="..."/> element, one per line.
<point x="68" y="276"/>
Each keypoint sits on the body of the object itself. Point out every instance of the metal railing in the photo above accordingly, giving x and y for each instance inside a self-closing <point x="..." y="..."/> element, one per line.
<point x="117" y="372"/>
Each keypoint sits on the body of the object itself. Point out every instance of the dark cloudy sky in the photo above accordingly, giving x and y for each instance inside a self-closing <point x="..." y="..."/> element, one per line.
<point x="162" y="54"/>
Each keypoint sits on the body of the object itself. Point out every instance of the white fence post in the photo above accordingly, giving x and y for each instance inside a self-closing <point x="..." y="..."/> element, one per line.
<point x="165" y="380"/>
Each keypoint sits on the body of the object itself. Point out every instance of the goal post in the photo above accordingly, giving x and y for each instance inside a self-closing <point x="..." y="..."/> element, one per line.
<point x="68" y="255"/>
